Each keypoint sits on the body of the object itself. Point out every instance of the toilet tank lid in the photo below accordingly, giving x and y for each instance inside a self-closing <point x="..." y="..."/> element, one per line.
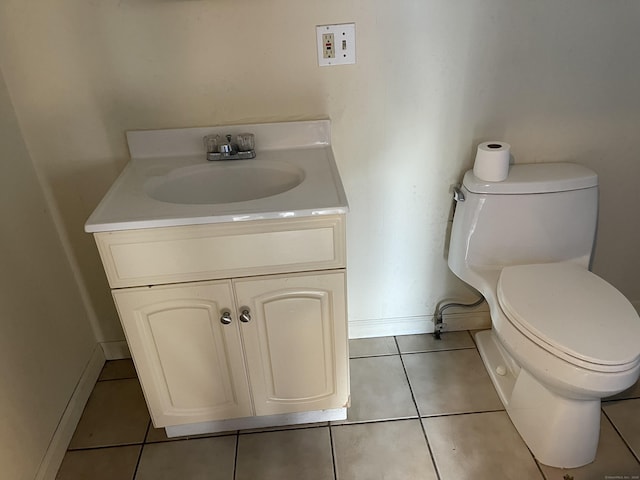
<point x="535" y="178"/>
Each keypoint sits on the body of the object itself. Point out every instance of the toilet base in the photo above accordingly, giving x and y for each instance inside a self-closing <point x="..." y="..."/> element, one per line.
<point x="560" y="431"/>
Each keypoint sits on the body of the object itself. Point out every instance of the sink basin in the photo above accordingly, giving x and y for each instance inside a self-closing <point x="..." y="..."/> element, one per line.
<point x="224" y="182"/>
<point x="168" y="182"/>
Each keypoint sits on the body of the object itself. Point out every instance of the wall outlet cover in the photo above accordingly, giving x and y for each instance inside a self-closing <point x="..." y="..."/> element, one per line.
<point x="341" y="50"/>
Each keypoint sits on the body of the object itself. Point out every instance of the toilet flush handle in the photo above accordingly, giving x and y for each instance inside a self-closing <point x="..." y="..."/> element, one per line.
<point x="458" y="195"/>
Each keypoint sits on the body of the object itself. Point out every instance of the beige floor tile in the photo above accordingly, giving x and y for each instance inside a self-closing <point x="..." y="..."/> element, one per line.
<point x="285" y="455"/>
<point x="116" y="414"/>
<point x="118" y="370"/>
<point x="428" y="343"/>
<point x="379" y="390"/>
<point x="368" y="347"/>
<point x="199" y="459"/>
<point x="450" y="382"/>
<point x="613" y="460"/>
<point x="117" y="463"/>
<point x="386" y="450"/>
<point x="483" y="446"/>
<point x="625" y="415"/>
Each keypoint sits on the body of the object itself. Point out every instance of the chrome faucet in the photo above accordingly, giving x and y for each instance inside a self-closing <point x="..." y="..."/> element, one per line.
<point x="218" y="148"/>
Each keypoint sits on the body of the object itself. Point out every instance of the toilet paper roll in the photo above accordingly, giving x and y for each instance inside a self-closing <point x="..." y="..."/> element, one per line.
<point x="492" y="161"/>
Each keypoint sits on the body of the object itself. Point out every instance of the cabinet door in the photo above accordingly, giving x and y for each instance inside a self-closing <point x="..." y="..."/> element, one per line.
<point x="296" y="341"/>
<point x="189" y="363"/>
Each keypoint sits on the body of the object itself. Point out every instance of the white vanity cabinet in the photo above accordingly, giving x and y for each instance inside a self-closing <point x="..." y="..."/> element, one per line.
<point x="234" y="320"/>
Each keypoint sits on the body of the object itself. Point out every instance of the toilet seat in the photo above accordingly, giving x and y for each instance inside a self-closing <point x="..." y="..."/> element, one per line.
<point x="573" y="314"/>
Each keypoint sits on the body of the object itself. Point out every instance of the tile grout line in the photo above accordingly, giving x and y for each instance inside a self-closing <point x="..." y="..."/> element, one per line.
<point x="149" y="427"/>
<point x="235" y="459"/>
<point x="415" y="404"/>
<point x="374" y="355"/>
<point x="281" y="428"/>
<point x="444" y="350"/>
<point x="104" y="447"/>
<point x="602" y="410"/>
<point x="460" y="414"/>
<point x="378" y="355"/>
<point x="473" y="339"/>
<point x="185" y="438"/>
<point x="544" y="477"/>
<point x="135" y="471"/>
<point x="607" y="400"/>
<point x="116" y="379"/>
<point x="333" y="454"/>
<point x="379" y="420"/>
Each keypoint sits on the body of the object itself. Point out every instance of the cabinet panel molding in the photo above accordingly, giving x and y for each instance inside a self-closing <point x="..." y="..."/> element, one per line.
<point x="204" y="252"/>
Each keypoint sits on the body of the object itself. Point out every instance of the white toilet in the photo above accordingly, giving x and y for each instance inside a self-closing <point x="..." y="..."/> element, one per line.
<point x="562" y="338"/>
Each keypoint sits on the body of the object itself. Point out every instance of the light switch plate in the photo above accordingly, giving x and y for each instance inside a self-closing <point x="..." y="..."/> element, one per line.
<point x="343" y="46"/>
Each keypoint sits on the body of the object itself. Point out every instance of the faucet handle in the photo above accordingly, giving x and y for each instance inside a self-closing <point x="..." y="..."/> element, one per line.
<point x="246" y="142"/>
<point x="211" y="142"/>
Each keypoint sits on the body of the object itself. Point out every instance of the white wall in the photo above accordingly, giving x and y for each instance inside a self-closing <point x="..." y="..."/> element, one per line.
<point x="557" y="80"/>
<point x="45" y="336"/>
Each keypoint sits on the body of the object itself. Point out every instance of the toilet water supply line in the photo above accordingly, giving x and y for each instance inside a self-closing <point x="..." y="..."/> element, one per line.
<point x="438" y="325"/>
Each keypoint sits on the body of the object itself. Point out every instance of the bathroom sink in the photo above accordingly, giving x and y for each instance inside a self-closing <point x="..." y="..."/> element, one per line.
<point x="224" y="182"/>
<point x="168" y="182"/>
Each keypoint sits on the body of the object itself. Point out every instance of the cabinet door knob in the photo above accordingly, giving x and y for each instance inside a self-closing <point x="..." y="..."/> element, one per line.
<point x="225" y="319"/>
<point x="245" y="316"/>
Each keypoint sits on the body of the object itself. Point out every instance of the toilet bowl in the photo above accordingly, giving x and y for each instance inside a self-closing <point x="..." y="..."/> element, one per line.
<point x="549" y="374"/>
<point x="561" y="338"/>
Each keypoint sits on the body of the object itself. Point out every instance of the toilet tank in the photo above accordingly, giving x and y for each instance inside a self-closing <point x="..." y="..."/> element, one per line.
<point x="541" y="213"/>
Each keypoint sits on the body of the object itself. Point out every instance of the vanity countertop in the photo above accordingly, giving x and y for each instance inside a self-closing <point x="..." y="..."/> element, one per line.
<point x="303" y="147"/>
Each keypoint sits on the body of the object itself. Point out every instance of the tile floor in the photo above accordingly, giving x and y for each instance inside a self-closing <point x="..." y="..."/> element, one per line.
<point x="421" y="409"/>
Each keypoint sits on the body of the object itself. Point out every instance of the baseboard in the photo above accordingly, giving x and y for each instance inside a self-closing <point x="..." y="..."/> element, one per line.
<point x="115" y="350"/>
<point x="71" y="416"/>
<point x="385" y="327"/>
<point x="478" y="320"/>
